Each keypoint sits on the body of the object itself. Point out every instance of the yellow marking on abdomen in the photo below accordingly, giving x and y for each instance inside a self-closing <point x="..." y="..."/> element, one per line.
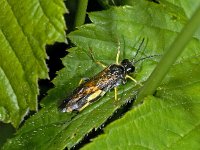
<point x="94" y="95"/>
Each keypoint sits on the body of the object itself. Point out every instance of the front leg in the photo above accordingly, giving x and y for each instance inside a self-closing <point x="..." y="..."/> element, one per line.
<point x="127" y="76"/>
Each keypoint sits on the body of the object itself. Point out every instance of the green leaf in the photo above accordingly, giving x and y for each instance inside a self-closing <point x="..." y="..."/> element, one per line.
<point x="128" y="25"/>
<point x="170" y="121"/>
<point x="156" y="124"/>
<point x="25" y="28"/>
<point x="170" y="56"/>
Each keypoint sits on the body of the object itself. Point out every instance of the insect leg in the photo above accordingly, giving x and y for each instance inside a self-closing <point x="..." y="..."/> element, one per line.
<point x="97" y="62"/>
<point x="118" y="53"/>
<point x="115" y="93"/>
<point x="127" y="76"/>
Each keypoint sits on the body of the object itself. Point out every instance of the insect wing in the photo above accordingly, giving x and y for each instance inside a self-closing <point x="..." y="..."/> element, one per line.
<point x="89" y="91"/>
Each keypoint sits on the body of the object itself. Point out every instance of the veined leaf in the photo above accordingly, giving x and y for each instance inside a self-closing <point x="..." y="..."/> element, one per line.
<point x="25" y="28"/>
<point x="168" y="122"/>
<point x="128" y="25"/>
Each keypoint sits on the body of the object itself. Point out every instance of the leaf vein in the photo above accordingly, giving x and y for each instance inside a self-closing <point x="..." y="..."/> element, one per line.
<point x="46" y="15"/>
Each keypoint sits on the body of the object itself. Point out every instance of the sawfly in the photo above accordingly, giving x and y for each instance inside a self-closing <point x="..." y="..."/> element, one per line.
<point x="97" y="86"/>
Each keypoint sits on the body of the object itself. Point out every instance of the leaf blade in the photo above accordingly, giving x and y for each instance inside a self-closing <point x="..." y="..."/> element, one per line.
<point x="71" y="129"/>
<point x="23" y="36"/>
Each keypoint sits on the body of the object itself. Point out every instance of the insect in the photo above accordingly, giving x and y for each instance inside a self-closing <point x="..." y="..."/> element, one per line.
<point x="93" y="89"/>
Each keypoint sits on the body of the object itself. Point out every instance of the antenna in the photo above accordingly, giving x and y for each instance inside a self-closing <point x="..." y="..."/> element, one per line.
<point x="137" y="52"/>
<point x="139" y="47"/>
<point x="148" y="57"/>
<point x="140" y="59"/>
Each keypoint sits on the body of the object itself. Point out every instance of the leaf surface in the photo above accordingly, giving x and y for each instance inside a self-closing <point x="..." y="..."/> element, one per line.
<point x="25" y="28"/>
<point x="127" y="25"/>
<point x="168" y="121"/>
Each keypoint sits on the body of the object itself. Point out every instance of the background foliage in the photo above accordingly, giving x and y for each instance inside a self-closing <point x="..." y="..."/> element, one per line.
<point x="167" y="120"/>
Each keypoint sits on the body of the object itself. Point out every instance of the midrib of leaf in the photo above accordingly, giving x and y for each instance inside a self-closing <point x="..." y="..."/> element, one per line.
<point x="15" y="90"/>
<point x="23" y="65"/>
<point x="27" y="40"/>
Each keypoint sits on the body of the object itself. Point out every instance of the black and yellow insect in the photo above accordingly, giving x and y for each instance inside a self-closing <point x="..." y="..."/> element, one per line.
<point x="94" y="88"/>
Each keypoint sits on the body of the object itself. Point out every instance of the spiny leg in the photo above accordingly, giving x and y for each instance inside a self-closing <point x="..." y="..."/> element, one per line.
<point x="97" y="62"/>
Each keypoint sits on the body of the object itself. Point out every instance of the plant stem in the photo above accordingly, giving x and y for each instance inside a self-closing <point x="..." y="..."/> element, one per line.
<point x="80" y="13"/>
<point x="170" y="56"/>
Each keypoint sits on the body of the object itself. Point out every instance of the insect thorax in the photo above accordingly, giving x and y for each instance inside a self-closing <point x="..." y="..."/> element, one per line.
<point x="118" y="74"/>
